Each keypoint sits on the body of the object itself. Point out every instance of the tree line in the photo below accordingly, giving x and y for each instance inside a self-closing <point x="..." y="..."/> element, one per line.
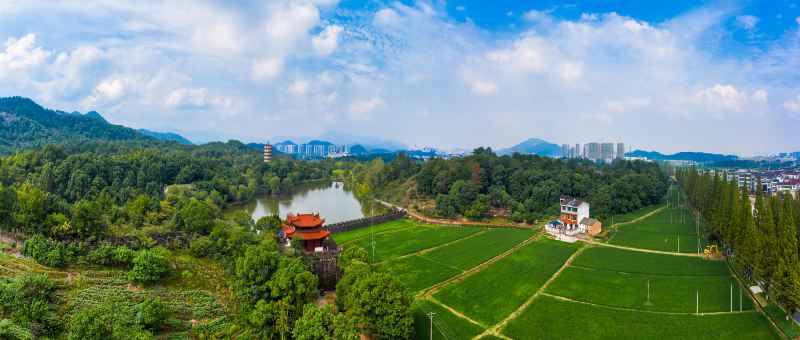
<point x="525" y="187"/>
<point x="763" y="233"/>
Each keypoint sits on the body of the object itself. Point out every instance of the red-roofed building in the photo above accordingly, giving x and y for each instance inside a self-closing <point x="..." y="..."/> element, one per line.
<point x="306" y="228"/>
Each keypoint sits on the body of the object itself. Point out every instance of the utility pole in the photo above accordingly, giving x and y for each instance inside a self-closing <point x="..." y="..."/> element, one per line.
<point x="648" y="292"/>
<point x="697" y="303"/>
<point x="679" y="244"/>
<point x="731" y="297"/>
<point x="430" y="317"/>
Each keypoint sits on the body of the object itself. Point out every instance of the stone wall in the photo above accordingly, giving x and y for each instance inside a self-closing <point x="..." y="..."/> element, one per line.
<point x="364" y="222"/>
<point x="326" y="265"/>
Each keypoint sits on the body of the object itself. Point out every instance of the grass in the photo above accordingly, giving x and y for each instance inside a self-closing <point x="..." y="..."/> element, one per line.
<point x="424" y="270"/>
<point x="349" y="236"/>
<point x="658" y="233"/>
<point x="417" y="272"/>
<point x="550" y="318"/>
<point x="627" y="217"/>
<point x="627" y="261"/>
<point x="470" y="252"/>
<point x="446" y="325"/>
<point x="667" y="293"/>
<point x="409" y="240"/>
<point x="491" y="294"/>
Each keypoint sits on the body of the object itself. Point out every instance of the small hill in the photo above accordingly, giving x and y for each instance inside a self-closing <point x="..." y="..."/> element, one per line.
<point x="534" y="146"/>
<point x="25" y="124"/>
<point x="164" y="135"/>
<point x="700" y="157"/>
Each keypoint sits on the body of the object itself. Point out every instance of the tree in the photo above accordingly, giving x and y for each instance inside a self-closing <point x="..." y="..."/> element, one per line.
<point x="381" y="303"/>
<point x="150" y="266"/>
<point x="87" y="220"/>
<point x="353" y="273"/>
<point x="477" y="211"/>
<point x="31" y="209"/>
<point x="242" y="218"/>
<point x="352" y="254"/>
<point x="152" y="313"/>
<point x="10" y="330"/>
<point x="198" y="216"/>
<point x="254" y="269"/>
<point x="270" y="223"/>
<point x="315" y="323"/>
<point x="8" y="203"/>
<point x="293" y="284"/>
<point x="31" y="302"/>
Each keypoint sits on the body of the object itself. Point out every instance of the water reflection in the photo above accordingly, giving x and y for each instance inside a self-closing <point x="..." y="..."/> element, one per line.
<point x="334" y="201"/>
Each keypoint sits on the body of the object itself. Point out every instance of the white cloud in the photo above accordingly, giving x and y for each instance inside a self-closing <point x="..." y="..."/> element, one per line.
<point x="538" y="17"/>
<point x="365" y="109"/>
<point x="327" y="40"/>
<point x="267" y="68"/>
<point x="793" y="106"/>
<point x="300" y="87"/>
<point x="387" y="16"/>
<point x="626" y="105"/>
<point x="22" y="54"/>
<point x="483" y="87"/>
<point x="188" y="98"/>
<point x="747" y="22"/>
<point x="722" y="99"/>
<point x="108" y="91"/>
<point x="760" y="95"/>
<point x="572" y="70"/>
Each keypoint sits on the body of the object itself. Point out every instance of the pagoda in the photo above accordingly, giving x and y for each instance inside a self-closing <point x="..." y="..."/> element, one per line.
<point x="307" y="228"/>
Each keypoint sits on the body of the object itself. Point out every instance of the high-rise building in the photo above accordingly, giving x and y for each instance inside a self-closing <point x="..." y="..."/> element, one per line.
<point x="577" y="151"/>
<point x="565" y="151"/>
<point x="620" y="150"/>
<point x="592" y="151"/>
<point x="607" y="151"/>
<point x="267" y="152"/>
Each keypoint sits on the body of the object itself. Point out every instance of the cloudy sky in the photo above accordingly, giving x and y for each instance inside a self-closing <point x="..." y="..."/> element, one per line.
<point x="716" y="76"/>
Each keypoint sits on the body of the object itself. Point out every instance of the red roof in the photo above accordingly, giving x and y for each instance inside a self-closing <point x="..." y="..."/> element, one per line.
<point x="571" y="202"/>
<point x="305" y="220"/>
<point x="315" y="236"/>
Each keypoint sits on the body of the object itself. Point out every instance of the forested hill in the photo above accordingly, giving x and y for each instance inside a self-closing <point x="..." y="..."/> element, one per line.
<point x="25" y="124"/>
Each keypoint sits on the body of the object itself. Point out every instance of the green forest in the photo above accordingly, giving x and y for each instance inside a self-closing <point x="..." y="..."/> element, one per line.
<point x="762" y="233"/>
<point x="527" y="187"/>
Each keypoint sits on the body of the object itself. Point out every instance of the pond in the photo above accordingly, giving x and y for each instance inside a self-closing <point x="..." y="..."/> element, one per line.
<point x="334" y="201"/>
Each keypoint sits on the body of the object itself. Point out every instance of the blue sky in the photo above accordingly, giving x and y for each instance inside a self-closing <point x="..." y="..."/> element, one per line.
<point x="718" y="76"/>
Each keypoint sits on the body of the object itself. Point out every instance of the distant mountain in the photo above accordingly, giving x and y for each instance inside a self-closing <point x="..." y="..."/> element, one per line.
<point x="25" y="124"/>
<point x="358" y="150"/>
<point x="701" y="157"/>
<point x="534" y="146"/>
<point x="344" y="138"/>
<point x="163" y="135"/>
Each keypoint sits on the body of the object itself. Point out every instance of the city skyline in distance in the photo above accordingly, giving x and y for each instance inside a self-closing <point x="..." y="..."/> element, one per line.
<point x="717" y="77"/>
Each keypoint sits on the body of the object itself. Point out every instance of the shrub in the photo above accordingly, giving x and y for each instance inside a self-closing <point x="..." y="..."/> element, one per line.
<point x="150" y="266"/>
<point x="46" y="251"/>
<point x="201" y="247"/>
<point x="152" y="313"/>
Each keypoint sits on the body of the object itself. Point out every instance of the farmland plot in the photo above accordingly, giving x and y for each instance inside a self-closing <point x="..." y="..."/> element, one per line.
<point x="491" y="294"/>
<point x="551" y="318"/>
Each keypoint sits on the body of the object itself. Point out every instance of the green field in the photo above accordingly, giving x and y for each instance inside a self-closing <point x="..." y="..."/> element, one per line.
<point x="551" y="318"/>
<point x="491" y="294"/>
<point x="424" y="270"/>
<point x="393" y="244"/>
<point x="667" y="293"/>
<point x="349" y="236"/>
<point x="659" y="232"/>
<point x="446" y="325"/>
<point x="625" y="218"/>
<point x="626" y="261"/>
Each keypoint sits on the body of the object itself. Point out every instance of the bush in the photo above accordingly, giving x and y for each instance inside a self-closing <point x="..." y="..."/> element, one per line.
<point x="150" y="266"/>
<point x="152" y="314"/>
<point x="123" y="256"/>
<point x="12" y="331"/>
<point x="201" y="247"/>
<point x="46" y="251"/>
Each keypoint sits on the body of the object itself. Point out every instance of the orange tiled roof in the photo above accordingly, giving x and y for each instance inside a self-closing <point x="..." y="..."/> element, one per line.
<point x="305" y="220"/>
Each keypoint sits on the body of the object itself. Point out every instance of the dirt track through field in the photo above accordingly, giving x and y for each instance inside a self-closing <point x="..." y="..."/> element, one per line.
<point x="635" y="220"/>
<point x="494" y="330"/>
<point x="428" y="292"/>
<point x="430" y="249"/>
<point x="593" y="242"/>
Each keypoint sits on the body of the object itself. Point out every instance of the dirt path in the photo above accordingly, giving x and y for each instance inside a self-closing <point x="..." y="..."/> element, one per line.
<point x="455" y="312"/>
<point x="430" y="249"/>
<point x="428" y="292"/>
<point x="432" y="220"/>
<point x="562" y="298"/>
<point x="495" y="330"/>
